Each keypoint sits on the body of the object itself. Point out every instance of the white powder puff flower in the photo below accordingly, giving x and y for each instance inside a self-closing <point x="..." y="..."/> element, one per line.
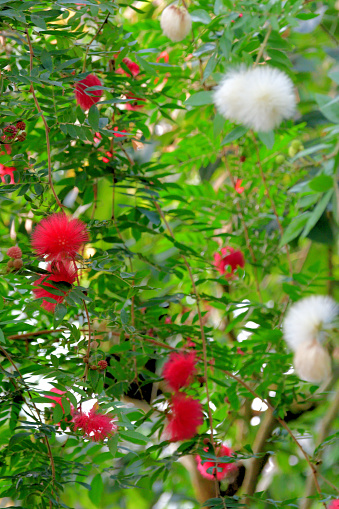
<point x="312" y="362"/>
<point x="259" y="98"/>
<point x="308" y="319"/>
<point x="176" y="23"/>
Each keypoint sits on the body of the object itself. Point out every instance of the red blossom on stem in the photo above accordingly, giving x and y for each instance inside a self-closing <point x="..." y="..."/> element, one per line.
<point x="179" y="370"/>
<point x="223" y="468"/>
<point x="185" y="418"/>
<point x="228" y="257"/>
<point x="59" y="272"/>
<point x="94" y="424"/>
<point x="59" y="236"/>
<point x="86" y="99"/>
<point x="334" y="504"/>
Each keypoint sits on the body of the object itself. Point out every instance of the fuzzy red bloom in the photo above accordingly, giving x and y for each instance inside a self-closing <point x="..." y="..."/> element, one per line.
<point x="59" y="237"/>
<point x="95" y="425"/>
<point x="132" y="66"/>
<point x="185" y="418"/>
<point x="238" y="187"/>
<point x="334" y="504"/>
<point x="59" y="272"/>
<point x="7" y="170"/>
<point x="105" y="160"/>
<point x="57" y="399"/>
<point x="86" y="99"/>
<point x="229" y="257"/>
<point x="179" y="370"/>
<point x="14" y="252"/>
<point x="226" y="468"/>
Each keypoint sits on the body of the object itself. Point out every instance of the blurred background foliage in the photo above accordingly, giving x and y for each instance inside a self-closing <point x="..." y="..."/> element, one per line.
<point x="181" y="162"/>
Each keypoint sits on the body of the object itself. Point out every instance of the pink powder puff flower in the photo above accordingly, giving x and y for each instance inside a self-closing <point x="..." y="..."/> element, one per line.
<point x="86" y="99"/>
<point x="95" y="425"/>
<point x="59" y="272"/>
<point x="334" y="504"/>
<point x="223" y="468"/>
<point x="59" y="236"/>
<point x="185" y="418"/>
<point x="168" y="320"/>
<point x="132" y="66"/>
<point x="229" y="257"/>
<point x="179" y="370"/>
<point x="239" y="189"/>
<point x="14" y="252"/>
<point x="7" y="170"/>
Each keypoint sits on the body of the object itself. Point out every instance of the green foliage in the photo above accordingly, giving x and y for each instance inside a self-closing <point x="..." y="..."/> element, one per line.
<point x="150" y="158"/>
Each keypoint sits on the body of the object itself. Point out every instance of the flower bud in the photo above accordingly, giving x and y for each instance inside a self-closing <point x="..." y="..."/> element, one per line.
<point x="14" y="252"/>
<point x="94" y="344"/>
<point x="102" y="364"/>
<point x="280" y="159"/>
<point x="176" y="23"/>
<point x="312" y="362"/>
<point x="17" y="264"/>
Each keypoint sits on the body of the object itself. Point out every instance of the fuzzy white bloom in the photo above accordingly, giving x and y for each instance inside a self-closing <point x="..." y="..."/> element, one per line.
<point x="312" y="362"/>
<point x="259" y="97"/>
<point x="176" y="23"/>
<point x="308" y="320"/>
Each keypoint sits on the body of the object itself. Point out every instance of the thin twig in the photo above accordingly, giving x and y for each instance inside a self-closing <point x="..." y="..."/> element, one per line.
<point x="94" y="37"/>
<point x="263" y="46"/>
<point x="268" y="194"/>
<point x="31" y="54"/>
<point x="35" y="333"/>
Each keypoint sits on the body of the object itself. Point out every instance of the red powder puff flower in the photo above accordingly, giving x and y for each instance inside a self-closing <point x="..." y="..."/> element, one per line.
<point x="14" y="252"/>
<point x="8" y="148"/>
<point x="59" y="237"/>
<point x="105" y="160"/>
<point x="229" y="257"/>
<point x="239" y="189"/>
<point x="60" y="272"/>
<point x="132" y="66"/>
<point x="220" y="470"/>
<point x="120" y="133"/>
<point x="86" y="99"/>
<point x="7" y="170"/>
<point x="95" y="425"/>
<point x="334" y="504"/>
<point x="185" y="418"/>
<point x="179" y="370"/>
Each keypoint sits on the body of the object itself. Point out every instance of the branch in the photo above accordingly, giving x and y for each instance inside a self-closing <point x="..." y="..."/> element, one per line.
<point x="325" y="426"/>
<point x="93" y="38"/>
<point x="263" y="45"/>
<point x="285" y="426"/>
<point x="31" y="54"/>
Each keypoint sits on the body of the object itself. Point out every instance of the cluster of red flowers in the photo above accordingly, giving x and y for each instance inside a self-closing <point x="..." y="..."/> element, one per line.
<point x="186" y="413"/>
<point x="229" y="257"/>
<point x="57" y="238"/>
<point x="219" y="470"/>
<point x="94" y="425"/>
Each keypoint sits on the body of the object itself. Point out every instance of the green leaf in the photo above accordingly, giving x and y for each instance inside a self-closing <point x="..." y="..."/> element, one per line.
<point x="59" y="313"/>
<point x="133" y="436"/>
<point x="39" y="22"/>
<point x="200" y="99"/>
<point x="2" y="337"/>
<point x="267" y="138"/>
<point x="321" y="183"/>
<point x="235" y="134"/>
<point x="145" y="65"/>
<point x="93" y="117"/>
<point x="57" y="413"/>
<point x="113" y="445"/>
<point x="317" y="213"/>
<point x="201" y="16"/>
<point x="294" y="228"/>
<point x="46" y="60"/>
<point x="97" y="487"/>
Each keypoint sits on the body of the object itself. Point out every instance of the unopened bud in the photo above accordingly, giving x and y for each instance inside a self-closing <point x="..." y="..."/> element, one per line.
<point x="94" y="344"/>
<point x="17" y="264"/>
<point x="94" y="367"/>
